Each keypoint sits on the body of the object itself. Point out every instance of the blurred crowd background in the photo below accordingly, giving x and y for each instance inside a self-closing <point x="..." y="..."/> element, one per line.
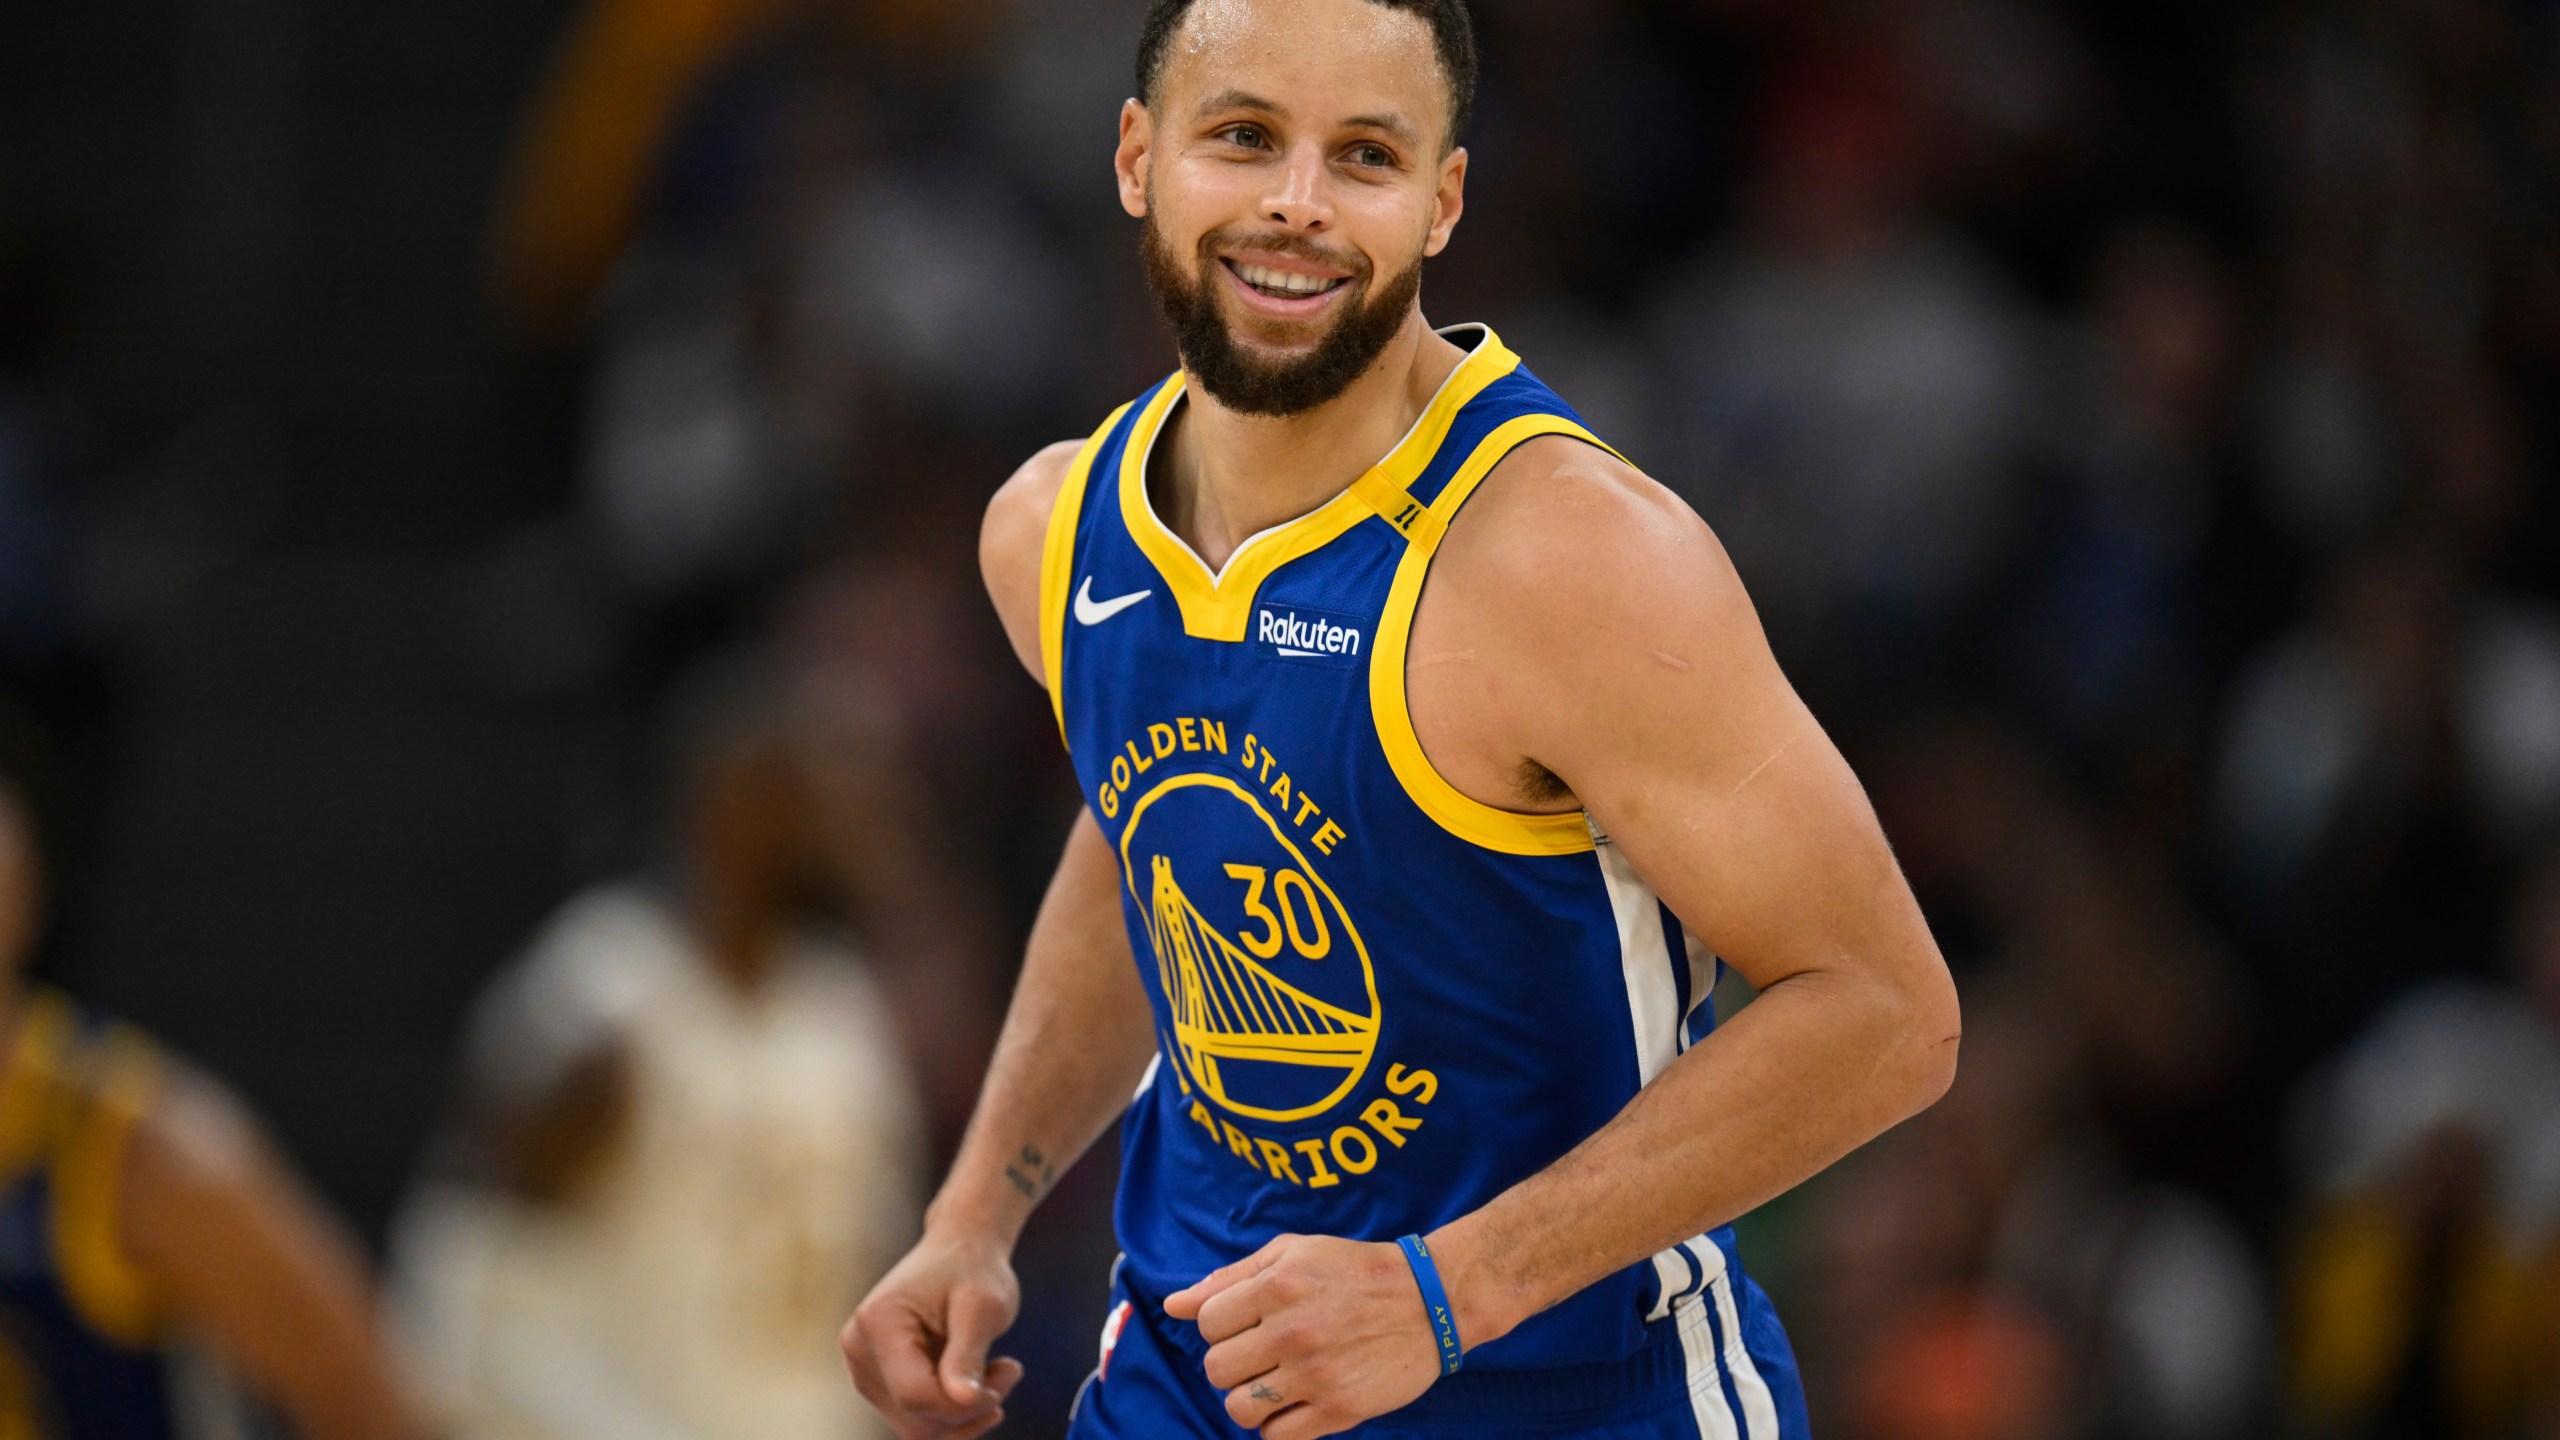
<point x="489" y="629"/>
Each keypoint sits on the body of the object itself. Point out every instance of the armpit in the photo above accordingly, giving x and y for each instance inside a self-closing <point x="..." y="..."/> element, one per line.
<point x="1539" y="785"/>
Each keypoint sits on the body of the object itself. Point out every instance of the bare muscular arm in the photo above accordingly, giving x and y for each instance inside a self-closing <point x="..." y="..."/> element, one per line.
<point x="1646" y="686"/>
<point x="1583" y="636"/>
<point x="1074" y="1043"/>
<point x="245" y="1256"/>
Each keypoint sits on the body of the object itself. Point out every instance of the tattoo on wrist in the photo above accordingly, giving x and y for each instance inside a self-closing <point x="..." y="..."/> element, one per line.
<point x="1031" y="1173"/>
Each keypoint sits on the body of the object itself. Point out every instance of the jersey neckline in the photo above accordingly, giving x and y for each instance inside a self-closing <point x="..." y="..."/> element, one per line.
<point x="1218" y="605"/>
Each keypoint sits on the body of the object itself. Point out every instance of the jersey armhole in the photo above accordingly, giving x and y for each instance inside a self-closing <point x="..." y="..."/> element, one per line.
<point x="1511" y="832"/>
<point x="1057" y="567"/>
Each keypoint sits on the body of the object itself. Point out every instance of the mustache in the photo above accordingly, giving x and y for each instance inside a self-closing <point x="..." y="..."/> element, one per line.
<point x="1252" y="384"/>
<point x="1297" y="247"/>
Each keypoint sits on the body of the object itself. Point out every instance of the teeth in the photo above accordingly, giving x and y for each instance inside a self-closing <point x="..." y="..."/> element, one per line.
<point x="1285" y="281"/>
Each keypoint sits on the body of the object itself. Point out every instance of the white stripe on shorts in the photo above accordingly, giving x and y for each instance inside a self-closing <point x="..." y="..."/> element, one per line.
<point x="1706" y="1383"/>
<point x="1759" y="1410"/>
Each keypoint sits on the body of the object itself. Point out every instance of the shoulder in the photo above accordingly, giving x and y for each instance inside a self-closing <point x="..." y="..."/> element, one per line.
<point x="606" y="956"/>
<point x="196" y="1136"/>
<point x="1600" y="609"/>
<point x="1570" y="535"/>
<point x="1018" y="516"/>
<point x="1011" y="539"/>
<point x="197" y="1164"/>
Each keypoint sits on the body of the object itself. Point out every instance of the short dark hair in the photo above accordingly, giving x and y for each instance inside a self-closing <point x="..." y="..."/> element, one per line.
<point x="1453" y="36"/>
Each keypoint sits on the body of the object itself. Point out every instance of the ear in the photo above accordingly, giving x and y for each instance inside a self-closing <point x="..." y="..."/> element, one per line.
<point x="1452" y="199"/>
<point x="1137" y="141"/>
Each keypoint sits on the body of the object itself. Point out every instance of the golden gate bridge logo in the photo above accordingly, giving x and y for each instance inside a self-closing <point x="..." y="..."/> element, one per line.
<point x="1234" y="1017"/>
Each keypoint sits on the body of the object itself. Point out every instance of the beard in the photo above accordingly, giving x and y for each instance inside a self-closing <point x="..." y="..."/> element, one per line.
<point x="1248" y="383"/>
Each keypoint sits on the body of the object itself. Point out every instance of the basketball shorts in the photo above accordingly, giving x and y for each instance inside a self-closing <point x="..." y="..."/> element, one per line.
<point x="1713" y="1370"/>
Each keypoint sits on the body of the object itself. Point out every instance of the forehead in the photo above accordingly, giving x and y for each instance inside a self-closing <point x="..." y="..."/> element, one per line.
<point x="1316" y="59"/>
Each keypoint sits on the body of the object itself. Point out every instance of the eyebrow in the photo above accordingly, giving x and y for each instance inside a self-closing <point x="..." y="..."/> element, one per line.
<point x="1392" y="125"/>
<point x="1247" y="100"/>
<point x="1239" y="100"/>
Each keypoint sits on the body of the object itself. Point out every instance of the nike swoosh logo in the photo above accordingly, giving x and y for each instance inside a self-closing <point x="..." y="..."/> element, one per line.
<point x="1090" y="611"/>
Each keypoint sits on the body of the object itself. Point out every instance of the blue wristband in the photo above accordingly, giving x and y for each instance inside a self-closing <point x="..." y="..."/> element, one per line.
<point x="1435" y="1302"/>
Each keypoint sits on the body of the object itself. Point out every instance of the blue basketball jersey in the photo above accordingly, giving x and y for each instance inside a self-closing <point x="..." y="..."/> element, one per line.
<point x="1379" y="1002"/>
<point x="81" y="1355"/>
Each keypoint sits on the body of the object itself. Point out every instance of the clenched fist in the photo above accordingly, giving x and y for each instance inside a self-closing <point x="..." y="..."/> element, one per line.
<point x="1310" y="1335"/>
<point x="918" y="1344"/>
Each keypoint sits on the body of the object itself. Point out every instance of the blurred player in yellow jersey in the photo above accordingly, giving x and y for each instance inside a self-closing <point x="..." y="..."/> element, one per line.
<point x="145" y="1218"/>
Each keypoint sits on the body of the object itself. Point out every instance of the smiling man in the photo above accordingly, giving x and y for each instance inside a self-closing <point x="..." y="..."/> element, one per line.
<point x="1417" y="730"/>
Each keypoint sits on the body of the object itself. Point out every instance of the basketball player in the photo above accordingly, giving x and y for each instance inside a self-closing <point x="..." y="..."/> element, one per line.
<point x="688" y="1137"/>
<point x="1416" y="728"/>
<point x="143" y="1217"/>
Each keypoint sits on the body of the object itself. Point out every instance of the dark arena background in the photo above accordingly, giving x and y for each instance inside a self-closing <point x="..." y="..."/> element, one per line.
<point x="2136" y="423"/>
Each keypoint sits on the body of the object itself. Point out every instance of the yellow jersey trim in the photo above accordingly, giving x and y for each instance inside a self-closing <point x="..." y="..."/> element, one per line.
<point x="1511" y="832"/>
<point x="113" y="1295"/>
<point x="28" y="1091"/>
<point x="1395" y="504"/>
<point x="1220" y="606"/>
<point x="1057" y="566"/>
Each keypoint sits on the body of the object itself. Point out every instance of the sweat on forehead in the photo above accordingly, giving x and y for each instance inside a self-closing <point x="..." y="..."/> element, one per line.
<point x="1211" y="22"/>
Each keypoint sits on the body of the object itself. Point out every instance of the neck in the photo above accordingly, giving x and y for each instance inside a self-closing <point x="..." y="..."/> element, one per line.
<point x="739" y="933"/>
<point x="1221" y="477"/>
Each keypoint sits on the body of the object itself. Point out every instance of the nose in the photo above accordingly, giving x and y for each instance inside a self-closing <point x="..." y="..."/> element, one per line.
<point x="1299" y="201"/>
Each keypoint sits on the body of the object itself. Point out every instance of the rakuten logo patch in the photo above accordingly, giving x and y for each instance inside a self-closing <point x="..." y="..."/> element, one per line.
<point x="1290" y="632"/>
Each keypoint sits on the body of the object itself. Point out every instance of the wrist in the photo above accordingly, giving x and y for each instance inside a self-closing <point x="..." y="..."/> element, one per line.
<point x="990" y="1196"/>
<point x="976" y="1217"/>
<point x="1485" y="1303"/>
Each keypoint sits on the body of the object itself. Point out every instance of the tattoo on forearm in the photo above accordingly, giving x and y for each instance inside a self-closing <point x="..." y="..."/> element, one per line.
<point x="1033" y="1175"/>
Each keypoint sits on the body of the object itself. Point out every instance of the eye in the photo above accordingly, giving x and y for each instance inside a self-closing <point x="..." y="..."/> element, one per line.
<point x="1248" y="136"/>
<point x="1375" y="156"/>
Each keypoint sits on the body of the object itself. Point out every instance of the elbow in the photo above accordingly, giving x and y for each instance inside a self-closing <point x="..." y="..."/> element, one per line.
<point x="1933" y="1030"/>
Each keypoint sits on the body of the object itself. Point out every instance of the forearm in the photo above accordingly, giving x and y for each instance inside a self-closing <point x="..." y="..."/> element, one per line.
<point x="1818" y="1065"/>
<point x="1074" y="1044"/>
